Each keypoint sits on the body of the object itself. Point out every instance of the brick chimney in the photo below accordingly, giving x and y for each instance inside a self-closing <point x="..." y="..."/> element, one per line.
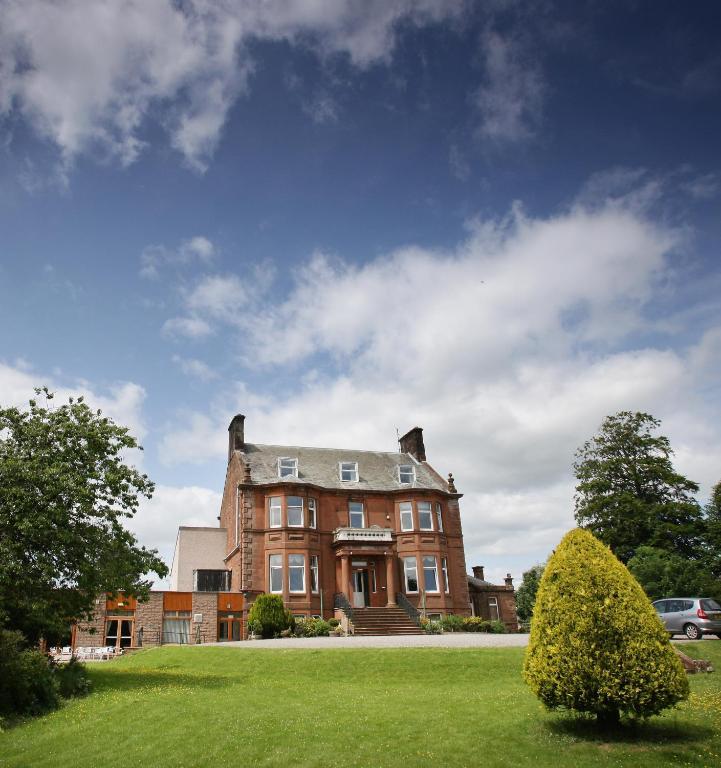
<point x="509" y="580"/>
<point x="236" y="434"/>
<point x="412" y="442"/>
<point x="478" y="572"/>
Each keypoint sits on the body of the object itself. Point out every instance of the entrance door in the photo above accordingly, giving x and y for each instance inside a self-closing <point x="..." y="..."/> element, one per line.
<point x="360" y="589"/>
<point x="119" y="633"/>
<point x="228" y="628"/>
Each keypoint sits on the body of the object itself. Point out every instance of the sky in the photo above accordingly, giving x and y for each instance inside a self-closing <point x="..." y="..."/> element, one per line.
<point x="498" y="221"/>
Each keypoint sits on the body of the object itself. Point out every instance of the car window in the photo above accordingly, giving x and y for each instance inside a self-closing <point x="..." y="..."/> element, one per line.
<point x="660" y="606"/>
<point x="687" y="605"/>
<point x="674" y="606"/>
<point x="710" y="605"/>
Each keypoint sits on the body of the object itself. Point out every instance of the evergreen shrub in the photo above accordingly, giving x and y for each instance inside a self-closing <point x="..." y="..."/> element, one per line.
<point x="72" y="678"/>
<point x="269" y="617"/>
<point x="28" y="685"/>
<point x="597" y="645"/>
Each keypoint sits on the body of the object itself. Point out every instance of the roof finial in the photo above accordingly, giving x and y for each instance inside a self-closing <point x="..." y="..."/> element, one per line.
<point x="451" y="483"/>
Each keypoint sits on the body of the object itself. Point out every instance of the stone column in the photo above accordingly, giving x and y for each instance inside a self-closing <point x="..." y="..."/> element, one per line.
<point x="344" y="576"/>
<point x="390" y="578"/>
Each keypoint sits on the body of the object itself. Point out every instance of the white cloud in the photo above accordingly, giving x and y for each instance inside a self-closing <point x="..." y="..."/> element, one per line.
<point x="157" y="520"/>
<point x="510" y="100"/>
<point x="509" y="350"/>
<point x="155" y="257"/>
<point x="218" y="296"/>
<point x="195" y="368"/>
<point x="87" y="76"/>
<point x="190" y="327"/>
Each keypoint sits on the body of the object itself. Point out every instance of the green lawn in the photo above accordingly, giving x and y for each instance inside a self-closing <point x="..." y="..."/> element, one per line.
<point x="211" y="706"/>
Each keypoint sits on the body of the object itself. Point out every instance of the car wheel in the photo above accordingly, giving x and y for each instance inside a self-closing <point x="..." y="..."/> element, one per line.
<point x="692" y="632"/>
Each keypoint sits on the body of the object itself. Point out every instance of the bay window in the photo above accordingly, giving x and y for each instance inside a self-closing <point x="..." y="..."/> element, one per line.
<point x="430" y="573"/>
<point x="410" y="571"/>
<point x="439" y="517"/>
<point x="294" y="511"/>
<point x="314" y="573"/>
<point x="296" y="573"/>
<point x="312" y="515"/>
<point x="425" y="516"/>
<point x="444" y="567"/>
<point x="274" y="514"/>
<point x="275" y="564"/>
<point x="406" y="511"/>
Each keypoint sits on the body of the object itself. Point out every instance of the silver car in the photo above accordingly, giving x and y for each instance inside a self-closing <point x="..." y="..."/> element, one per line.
<point x="690" y="616"/>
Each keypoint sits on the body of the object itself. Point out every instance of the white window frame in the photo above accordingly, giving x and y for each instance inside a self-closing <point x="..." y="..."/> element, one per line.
<point x="407" y="569"/>
<point x="409" y="469"/>
<point x="439" y="516"/>
<point x="444" y="568"/>
<point x="434" y="569"/>
<point x="493" y="605"/>
<point x="403" y="512"/>
<point x="275" y="563"/>
<point x="290" y="464"/>
<point x="351" y="512"/>
<point x="419" y="513"/>
<point x="295" y="567"/>
<point x="295" y="507"/>
<point x="348" y="466"/>
<point x="314" y="573"/>
<point x="312" y="513"/>
<point x="273" y="507"/>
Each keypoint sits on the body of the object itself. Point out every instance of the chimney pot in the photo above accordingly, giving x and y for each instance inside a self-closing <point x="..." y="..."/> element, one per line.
<point x="236" y="434"/>
<point x="509" y="580"/>
<point x="412" y="442"/>
<point x="478" y="572"/>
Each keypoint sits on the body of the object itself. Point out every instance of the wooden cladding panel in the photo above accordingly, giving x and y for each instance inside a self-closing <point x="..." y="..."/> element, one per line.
<point x="230" y="601"/>
<point x="120" y="602"/>
<point x="177" y="601"/>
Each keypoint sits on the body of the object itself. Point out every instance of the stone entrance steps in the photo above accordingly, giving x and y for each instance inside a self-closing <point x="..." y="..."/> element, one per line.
<point x="383" y="621"/>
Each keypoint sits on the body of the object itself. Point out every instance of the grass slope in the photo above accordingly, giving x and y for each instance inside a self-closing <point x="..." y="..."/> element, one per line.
<point x="210" y="706"/>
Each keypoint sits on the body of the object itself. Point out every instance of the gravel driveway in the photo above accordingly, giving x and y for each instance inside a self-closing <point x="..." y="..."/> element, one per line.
<point x="449" y="640"/>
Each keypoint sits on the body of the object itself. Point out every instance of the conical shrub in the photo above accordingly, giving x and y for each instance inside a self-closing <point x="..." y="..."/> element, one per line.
<point x="596" y="643"/>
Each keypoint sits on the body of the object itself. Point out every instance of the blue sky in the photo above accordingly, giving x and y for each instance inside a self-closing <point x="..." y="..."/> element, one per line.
<point x="499" y="221"/>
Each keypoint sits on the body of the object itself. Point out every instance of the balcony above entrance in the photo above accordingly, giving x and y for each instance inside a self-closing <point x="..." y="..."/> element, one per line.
<point x="367" y="535"/>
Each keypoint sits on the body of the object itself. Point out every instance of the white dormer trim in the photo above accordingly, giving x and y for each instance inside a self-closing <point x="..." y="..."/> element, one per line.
<point x="349" y="468"/>
<point x="412" y="474"/>
<point x="287" y="466"/>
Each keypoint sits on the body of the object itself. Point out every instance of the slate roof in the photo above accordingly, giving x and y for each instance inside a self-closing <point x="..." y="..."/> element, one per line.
<point x="377" y="471"/>
<point x="482" y="584"/>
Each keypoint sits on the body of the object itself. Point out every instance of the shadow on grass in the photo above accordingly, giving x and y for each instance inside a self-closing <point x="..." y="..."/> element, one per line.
<point x="137" y="679"/>
<point x="654" y="732"/>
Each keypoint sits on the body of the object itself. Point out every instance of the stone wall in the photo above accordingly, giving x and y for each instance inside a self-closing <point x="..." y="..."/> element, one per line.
<point x="149" y="618"/>
<point x="91" y="634"/>
<point x="206" y="604"/>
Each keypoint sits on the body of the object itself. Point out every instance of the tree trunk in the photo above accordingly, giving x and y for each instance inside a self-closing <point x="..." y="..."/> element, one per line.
<point x="608" y="719"/>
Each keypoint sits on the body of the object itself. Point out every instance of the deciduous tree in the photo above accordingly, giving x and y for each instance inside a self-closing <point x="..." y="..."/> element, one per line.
<point x="629" y="494"/>
<point x="65" y="491"/>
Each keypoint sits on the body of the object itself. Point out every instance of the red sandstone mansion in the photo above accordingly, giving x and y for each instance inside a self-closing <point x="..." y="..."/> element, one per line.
<point x="330" y="527"/>
<point x="371" y="538"/>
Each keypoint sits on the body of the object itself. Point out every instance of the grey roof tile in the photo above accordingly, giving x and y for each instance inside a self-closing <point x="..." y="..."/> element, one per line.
<point x="377" y="471"/>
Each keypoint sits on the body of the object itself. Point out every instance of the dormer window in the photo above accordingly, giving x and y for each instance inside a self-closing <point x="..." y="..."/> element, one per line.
<point x="287" y="467"/>
<point x="406" y="473"/>
<point x="349" y="471"/>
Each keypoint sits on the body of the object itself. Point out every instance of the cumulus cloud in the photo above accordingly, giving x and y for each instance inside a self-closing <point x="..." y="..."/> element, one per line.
<point x="509" y="350"/>
<point x="188" y="327"/>
<point x="510" y="99"/>
<point x="87" y="76"/>
<point x="157" y="520"/>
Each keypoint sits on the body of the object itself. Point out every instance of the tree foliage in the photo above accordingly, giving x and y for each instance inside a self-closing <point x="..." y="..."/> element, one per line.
<point x="526" y="592"/>
<point x="65" y="491"/>
<point x="664" y="574"/>
<point x="596" y="644"/>
<point x="713" y="531"/>
<point x="629" y="494"/>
